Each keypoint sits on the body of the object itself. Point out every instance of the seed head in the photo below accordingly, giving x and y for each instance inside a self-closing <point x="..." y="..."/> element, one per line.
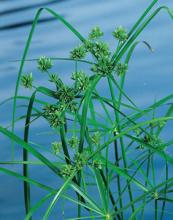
<point x="101" y="50"/>
<point x="103" y="67"/>
<point x="78" y="53"/>
<point x="55" y="79"/>
<point x="80" y="160"/>
<point x="67" y="170"/>
<point x="155" y="195"/>
<point x="81" y="80"/>
<point x="72" y="106"/>
<point x="27" y="80"/>
<point x="95" y="33"/>
<point x="65" y="94"/>
<point x="73" y="142"/>
<point x="121" y="69"/>
<point x="54" y="114"/>
<point x="89" y="45"/>
<point x="44" y="64"/>
<point x="56" y="147"/>
<point x="120" y="34"/>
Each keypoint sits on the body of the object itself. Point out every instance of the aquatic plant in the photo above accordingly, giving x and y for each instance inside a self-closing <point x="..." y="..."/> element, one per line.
<point x="113" y="152"/>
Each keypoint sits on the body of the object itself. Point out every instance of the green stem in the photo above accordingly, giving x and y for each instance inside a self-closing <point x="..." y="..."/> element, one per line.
<point x="121" y="142"/>
<point x="146" y="183"/>
<point x="164" y="202"/>
<point x="156" y="209"/>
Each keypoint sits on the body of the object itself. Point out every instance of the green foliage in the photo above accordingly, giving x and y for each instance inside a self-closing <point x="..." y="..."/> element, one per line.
<point x="95" y="33"/>
<point x="81" y="80"/>
<point x="56" y="147"/>
<point x="120" y="34"/>
<point x="98" y="137"/>
<point x="73" y="142"/>
<point x="44" y="64"/>
<point x="54" y="114"/>
<point x="27" y="80"/>
<point x="78" y="53"/>
<point x="121" y="68"/>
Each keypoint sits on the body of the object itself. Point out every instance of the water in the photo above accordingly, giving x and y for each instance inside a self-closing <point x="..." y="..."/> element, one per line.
<point x="149" y="77"/>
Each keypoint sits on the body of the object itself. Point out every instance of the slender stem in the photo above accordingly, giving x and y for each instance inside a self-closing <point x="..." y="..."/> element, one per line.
<point x="146" y="183"/>
<point x="110" y="194"/>
<point x="156" y="209"/>
<point x="164" y="202"/>
<point x="121" y="142"/>
<point x="116" y="147"/>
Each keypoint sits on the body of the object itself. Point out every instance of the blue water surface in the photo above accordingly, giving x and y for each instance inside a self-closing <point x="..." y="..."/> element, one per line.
<point x="150" y="77"/>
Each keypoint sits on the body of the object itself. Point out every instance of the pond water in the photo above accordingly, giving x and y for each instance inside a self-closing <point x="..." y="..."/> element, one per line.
<point x="150" y="75"/>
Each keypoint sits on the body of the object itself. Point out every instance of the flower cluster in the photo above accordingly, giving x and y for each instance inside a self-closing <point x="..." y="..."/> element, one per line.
<point x="81" y="80"/>
<point x="121" y="69"/>
<point x="95" y="33"/>
<point x="101" y="50"/>
<point x="103" y="67"/>
<point x="54" y="78"/>
<point x="73" y="142"/>
<point x="67" y="170"/>
<point x="44" y="64"/>
<point x="65" y="94"/>
<point x="120" y="34"/>
<point x="27" y="80"/>
<point x="155" y="195"/>
<point x="78" y="53"/>
<point x="80" y="160"/>
<point x="54" y="114"/>
<point x="89" y="45"/>
<point x="56" y="147"/>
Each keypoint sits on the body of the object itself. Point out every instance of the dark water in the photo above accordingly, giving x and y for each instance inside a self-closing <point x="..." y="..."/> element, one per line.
<point x="150" y="75"/>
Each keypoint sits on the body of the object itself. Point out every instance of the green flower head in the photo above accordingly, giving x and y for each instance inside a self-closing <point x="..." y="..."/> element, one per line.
<point x="103" y="67"/>
<point x="89" y="45"/>
<point x="67" y="170"/>
<point x="54" y="78"/>
<point x="56" y="147"/>
<point x="78" y="53"/>
<point x="121" y="69"/>
<point x="72" y="106"/>
<point x="80" y="160"/>
<point x="54" y="114"/>
<point x="44" y="64"/>
<point x="120" y="34"/>
<point x="73" y="142"/>
<point x="81" y="80"/>
<point x="101" y="50"/>
<point x="155" y="195"/>
<point x="65" y="94"/>
<point x="95" y="33"/>
<point x="27" y="80"/>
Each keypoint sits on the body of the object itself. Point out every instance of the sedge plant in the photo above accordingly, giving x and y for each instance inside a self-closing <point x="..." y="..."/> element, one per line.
<point x="113" y="150"/>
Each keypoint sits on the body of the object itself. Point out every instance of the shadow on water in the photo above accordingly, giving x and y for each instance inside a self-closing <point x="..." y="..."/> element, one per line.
<point x="23" y="8"/>
<point x="25" y="23"/>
